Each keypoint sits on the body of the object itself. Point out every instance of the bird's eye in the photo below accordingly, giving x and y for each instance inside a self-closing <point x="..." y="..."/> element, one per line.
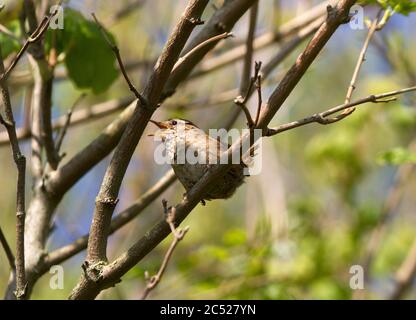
<point x="173" y="122"/>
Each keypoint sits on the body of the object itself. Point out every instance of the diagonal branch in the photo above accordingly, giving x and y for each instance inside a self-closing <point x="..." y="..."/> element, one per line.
<point x="61" y="254"/>
<point x="116" y="51"/>
<point x="111" y="273"/>
<point x="361" y="58"/>
<point x="322" y="117"/>
<point x="7" y="250"/>
<point x="33" y="38"/>
<point x="62" y="132"/>
<point x="87" y="158"/>
<point x="107" y="196"/>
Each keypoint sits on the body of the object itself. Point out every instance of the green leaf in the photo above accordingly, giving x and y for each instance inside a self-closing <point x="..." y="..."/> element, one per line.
<point x="397" y="156"/>
<point x="8" y="44"/>
<point x="88" y="58"/>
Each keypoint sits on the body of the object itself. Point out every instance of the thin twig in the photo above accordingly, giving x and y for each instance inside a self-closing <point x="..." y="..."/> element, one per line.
<point x="178" y="235"/>
<point x="78" y="117"/>
<point x="65" y="127"/>
<point x="20" y="161"/>
<point x="357" y="69"/>
<point x="263" y="40"/>
<point x="241" y="102"/>
<point x="63" y="253"/>
<point x="200" y="46"/>
<point x="7" y="250"/>
<point x="248" y="57"/>
<point x="116" y="269"/>
<point x="321" y="117"/>
<point x="116" y="51"/>
<point x="259" y="96"/>
<point x="33" y="38"/>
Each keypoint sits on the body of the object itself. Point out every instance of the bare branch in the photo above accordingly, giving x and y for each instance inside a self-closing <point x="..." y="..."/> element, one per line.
<point x="248" y="57"/>
<point x="200" y="47"/>
<point x="322" y="117"/>
<point x="111" y="273"/>
<point x="33" y="38"/>
<point x="262" y="41"/>
<point x="361" y="58"/>
<point x="7" y="250"/>
<point x="20" y="161"/>
<point x="107" y="197"/>
<point x="222" y="21"/>
<point x="259" y="96"/>
<point x="336" y="16"/>
<point x="178" y="235"/>
<point x="62" y="133"/>
<point x="116" y="51"/>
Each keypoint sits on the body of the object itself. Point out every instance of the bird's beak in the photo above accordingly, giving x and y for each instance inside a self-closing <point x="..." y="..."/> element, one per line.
<point x="161" y="125"/>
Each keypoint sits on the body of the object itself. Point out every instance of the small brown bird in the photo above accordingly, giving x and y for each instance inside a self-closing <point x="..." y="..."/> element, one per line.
<point x="192" y="152"/>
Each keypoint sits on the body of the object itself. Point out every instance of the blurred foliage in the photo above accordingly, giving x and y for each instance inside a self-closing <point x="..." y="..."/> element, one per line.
<point x="397" y="156"/>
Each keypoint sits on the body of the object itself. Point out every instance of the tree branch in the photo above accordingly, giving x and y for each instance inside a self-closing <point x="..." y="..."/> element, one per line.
<point x="322" y="117"/>
<point x="336" y="16"/>
<point x="20" y="161"/>
<point x="111" y="273"/>
<point x="7" y="250"/>
<point x="78" y="117"/>
<point x="262" y="41"/>
<point x="361" y="59"/>
<point x="60" y="255"/>
<point x="62" y="133"/>
<point x="107" y="197"/>
<point x="116" y="51"/>
<point x="178" y="235"/>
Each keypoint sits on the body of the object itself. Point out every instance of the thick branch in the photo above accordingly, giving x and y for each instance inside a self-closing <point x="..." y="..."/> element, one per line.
<point x="94" y="112"/>
<point x="61" y="180"/>
<point x="262" y="41"/>
<point x="60" y="255"/>
<point x="336" y="16"/>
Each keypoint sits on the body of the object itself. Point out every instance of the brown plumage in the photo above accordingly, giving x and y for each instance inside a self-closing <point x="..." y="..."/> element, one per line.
<point x="184" y="141"/>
